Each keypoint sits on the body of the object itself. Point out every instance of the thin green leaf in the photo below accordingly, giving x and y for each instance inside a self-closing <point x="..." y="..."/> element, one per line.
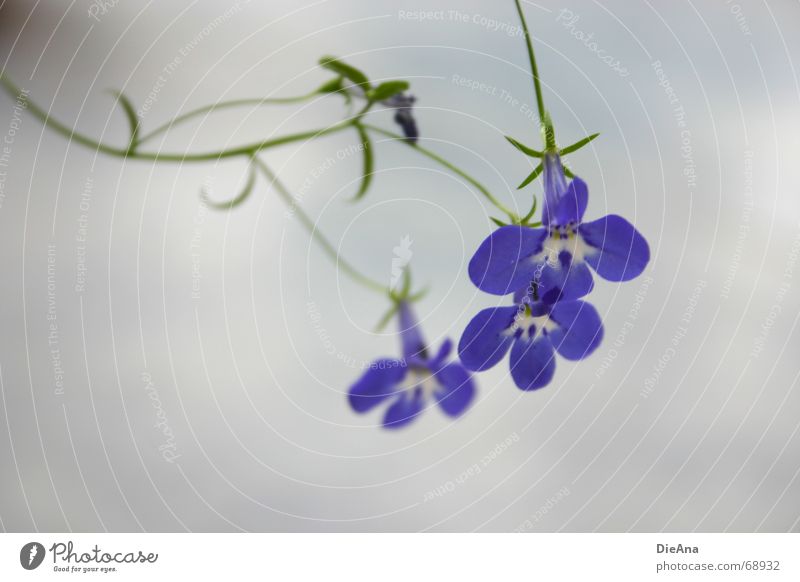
<point x="578" y="144"/>
<point x="568" y="173"/>
<point x="419" y="294"/>
<point x="346" y="71"/>
<point x="332" y="86"/>
<point x="525" y="149"/>
<point x="387" y="317"/>
<point x="497" y="221"/>
<point x="241" y="197"/>
<point x="369" y="162"/>
<point x="531" y="177"/>
<point x="386" y="90"/>
<point x="133" y="119"/>
<point x="528" y="216"/>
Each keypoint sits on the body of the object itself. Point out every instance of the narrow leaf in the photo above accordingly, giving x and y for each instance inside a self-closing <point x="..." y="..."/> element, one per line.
<point x="419" y="294"/>
<point x="525" y="149"/>
<point x="332" y="86"/>
<point x="568" y="173"/>
<point x="369" y="162"/>
<point x="531" y="177"/>
<point x="241" y="197"/>
<point x="497" y="221"/>
<point x="528" y="216"/>
<point x="387" y="317"/>
<point x="346" y="71"/>
<point x="578" y="144"/>
<point x="386" y="90"/>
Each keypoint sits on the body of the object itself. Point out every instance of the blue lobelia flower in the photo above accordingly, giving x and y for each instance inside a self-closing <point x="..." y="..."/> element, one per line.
<point x="413" y="381"/>
<point x="555" y="256"/>
<point x="534" y="331"/>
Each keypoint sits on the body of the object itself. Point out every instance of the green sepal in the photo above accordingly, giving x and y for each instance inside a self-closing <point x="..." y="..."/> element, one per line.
<point x="531" y="177"/>
<point x="578" y="144"/>
<point x="524" y="149"/>
<point x="419" y="294"/>
<point x="527" y="217"/>
<point x="387" y="317"/>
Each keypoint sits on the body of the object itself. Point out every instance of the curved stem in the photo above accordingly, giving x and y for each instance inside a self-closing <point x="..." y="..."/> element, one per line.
<point x="544" y="119"/>
<point x="246" y="150"/>
<point x="57" y="126"/>
<point x="224" y="105"/>
<point x="316" y="235"/>
<point x="452" y="167"/>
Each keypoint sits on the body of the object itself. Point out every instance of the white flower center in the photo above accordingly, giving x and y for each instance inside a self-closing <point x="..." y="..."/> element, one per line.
<point x="563" y="239"/>
<point x="531" y="325"/>
<point x="421" y="379"/>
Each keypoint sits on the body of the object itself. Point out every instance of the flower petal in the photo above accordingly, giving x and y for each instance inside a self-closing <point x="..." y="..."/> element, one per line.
<point x="580" y="329"/>
<point x="532" y="363"/>
<point x="573" y="203"/>
<point x="502" y="264"/>
<point x="440" y="357"/>
<point x="380" y="381"/>
<point x="405" y="119"/>
<point x="457" y="389"/>
<point x="568" y="280"/>
<point x="410" y="333"/>
<point x="555" y="185"/>
<point x="622" y="252"/>
<point x="404" y="410"/>
<point x="484" y="342"/>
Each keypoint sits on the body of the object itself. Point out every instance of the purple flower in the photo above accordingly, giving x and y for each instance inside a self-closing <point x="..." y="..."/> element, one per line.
<point x="534" y="331"/>
<point x="412" y="381"/>
<point x="402" y="103"/>
<point x="555" y="257"/>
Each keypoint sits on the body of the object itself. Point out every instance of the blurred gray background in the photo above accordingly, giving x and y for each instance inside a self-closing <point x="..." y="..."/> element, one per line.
<point x="185" y="369"/>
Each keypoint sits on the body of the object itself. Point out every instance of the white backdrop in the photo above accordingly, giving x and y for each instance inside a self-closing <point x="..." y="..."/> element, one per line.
<point x="197" y="372"/>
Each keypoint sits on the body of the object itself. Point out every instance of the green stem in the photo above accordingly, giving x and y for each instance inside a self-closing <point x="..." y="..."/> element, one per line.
<point x="544" y="118"/>
<point x="453" y="168"/>
<point x="57" y="126"/>
<point x="246" y="150"/>
<point x="316" y="235"/>
<point x="224" y="105"/>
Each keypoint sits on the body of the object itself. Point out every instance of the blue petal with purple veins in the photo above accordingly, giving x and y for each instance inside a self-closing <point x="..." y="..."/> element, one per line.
<point x="579" y="330"/>
<point x="456" y="391"/>
<point x="620" y="251"/>
<point x="485" y="340"/>
<point x="533" y="363"/>
<point x="441" y="356"/>
<point x="568" y="280"/>
<point x="504" y="261"/>
<point x="405" y="409"/>
<point x="379" y="382"/>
